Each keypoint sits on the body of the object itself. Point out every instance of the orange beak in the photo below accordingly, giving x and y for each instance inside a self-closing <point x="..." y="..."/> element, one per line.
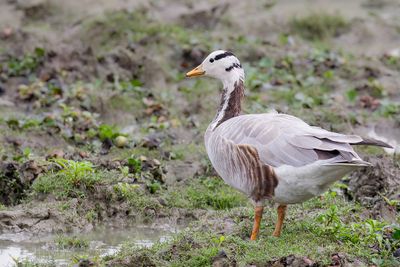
<point x="198" y="71"/>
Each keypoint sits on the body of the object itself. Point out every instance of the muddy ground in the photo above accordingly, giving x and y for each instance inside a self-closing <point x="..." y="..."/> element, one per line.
<point x="98" y="125"/>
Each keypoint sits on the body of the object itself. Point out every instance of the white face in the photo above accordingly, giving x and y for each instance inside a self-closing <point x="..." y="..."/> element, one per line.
<point x="220" y="64"/>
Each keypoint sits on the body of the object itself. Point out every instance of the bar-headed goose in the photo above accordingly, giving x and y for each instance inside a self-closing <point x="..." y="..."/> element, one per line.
<point x="271" y="155"/>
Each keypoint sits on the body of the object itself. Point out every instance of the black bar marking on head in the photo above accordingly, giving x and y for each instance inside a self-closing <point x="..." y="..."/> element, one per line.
<point x="230" y="68"/>
<point x="225" y="54"/>
<point x="234" y="65"/>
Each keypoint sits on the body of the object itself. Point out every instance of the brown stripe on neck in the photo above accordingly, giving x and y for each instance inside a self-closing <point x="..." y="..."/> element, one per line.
<point x="234" y="106"/>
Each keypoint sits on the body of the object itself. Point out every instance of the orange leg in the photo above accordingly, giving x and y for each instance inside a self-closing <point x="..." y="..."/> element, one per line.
<point x="281" y="216"/>
<point x="257" y="219"/>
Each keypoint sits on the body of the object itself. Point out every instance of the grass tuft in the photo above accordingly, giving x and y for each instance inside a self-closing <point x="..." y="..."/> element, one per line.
<point x="207" y="193"/>
<point x="331" y="225"/>
<point x="319" y="26"/>
<point x="71" y="242"/>
<point x="73" y="180"/>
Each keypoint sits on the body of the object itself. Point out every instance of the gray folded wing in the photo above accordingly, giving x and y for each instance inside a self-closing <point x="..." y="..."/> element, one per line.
<point x="282" y="139"/>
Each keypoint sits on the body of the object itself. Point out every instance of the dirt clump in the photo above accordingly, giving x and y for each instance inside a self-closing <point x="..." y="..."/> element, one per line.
<point x="292" y="261"/>
<point x="11" y="184"/>
<point x="222" y="260"/>
<point x="375" y="186"/>
<point x="207" y="18"/>
<point x="382" y="178"/>
<point x="140" y="260"/>
<point x="33" y="9"/>
<point x="15" y="179"/>
<point x="29" y="221"/>
<point x="192" y="57"/>
<point x="340" y="259"/>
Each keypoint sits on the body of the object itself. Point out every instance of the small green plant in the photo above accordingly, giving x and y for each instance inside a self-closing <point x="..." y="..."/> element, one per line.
<point x="72" y="180"/>
<point x="26" y="154"/>
<point x="91" y="215"/>
<point x="219" y="241"/>
<point x="26" y="64"/>
<point x="368" y="233"/>
<point x="131" y="86"/>
<point x="135" y="164"/>
<point x="126" y="191"/>
<point x="319" y="26"/>
<point x="391" y="202"/>
<point x="86" y="260"/>
<point x="74" y="170"/>
<point x="125" y="171"/>
<point x="283" y="39"/>
<point x="154" y="187"/>
<point x="71" y="242"/>
<point x="352" y="95"/>
<point x="389" y="109"/>
<point x="108" y="132"/>
<point x="64" y="206"/>
<point x="328" y="75"/>
<point x="136" y="196"/>
<point x="22" y="124"/>
<point x="391" y="61"/>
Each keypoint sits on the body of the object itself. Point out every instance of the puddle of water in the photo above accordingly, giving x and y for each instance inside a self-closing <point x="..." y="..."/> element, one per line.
<point x="102" y="241"/>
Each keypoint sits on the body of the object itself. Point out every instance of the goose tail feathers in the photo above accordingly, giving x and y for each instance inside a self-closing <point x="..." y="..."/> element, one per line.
<point x="355" y="163"/>
<point x="372" y="142"/>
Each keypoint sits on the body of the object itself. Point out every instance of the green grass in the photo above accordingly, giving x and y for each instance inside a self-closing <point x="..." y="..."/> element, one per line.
<point x="206" y="193"/>
<point x="30" y="263"/>
<point x="108" y="132"/>
<point x="319" y="26"/>
<point x="391" y="61"/>
<point x="78" y="179"/>
<point x="24" y="64"/>
<point x="136" y="197"/>
<point x="128" y="102"/>
<point x="316" y="229"/>
<point x="81" y="180"/>
<point x="70" y="242"/>
<point x="197" y="248"/>
<point x="115" y="28"/>
<point x="74" y="179"/>
<point x="370" y="150"/>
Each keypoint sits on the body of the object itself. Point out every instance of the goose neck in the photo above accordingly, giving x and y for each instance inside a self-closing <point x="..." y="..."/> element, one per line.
<point x="230" y="105"/>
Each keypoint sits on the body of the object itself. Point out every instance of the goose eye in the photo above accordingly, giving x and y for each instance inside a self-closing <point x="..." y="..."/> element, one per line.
<point x="211" y="60"/>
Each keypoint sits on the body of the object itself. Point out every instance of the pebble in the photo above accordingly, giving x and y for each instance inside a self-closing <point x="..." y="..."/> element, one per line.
<point x="58" y="153"/>
<point x="121" y="141"/>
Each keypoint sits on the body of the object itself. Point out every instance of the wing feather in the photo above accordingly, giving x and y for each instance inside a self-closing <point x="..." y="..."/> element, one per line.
<point x="282" y="139"/>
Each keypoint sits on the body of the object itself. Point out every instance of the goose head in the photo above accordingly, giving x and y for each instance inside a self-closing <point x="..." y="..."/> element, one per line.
<point x="221" y="65"/>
